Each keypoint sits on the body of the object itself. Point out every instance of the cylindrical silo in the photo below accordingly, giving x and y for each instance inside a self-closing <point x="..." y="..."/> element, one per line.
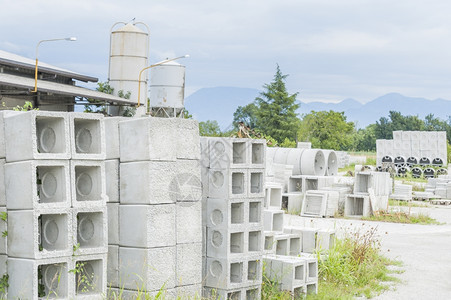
<point x="167" y="89"/>
<point x="129" y="52"/>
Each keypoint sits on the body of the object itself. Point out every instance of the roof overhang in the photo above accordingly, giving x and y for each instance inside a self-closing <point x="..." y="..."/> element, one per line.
<point x="61" y="89"/>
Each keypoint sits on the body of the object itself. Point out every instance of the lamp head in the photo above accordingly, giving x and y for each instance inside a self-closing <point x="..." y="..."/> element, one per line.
<point x="72" y="39"/>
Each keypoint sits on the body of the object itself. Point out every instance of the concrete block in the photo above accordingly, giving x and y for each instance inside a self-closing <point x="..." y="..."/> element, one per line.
<point x="254" y="270"/>
<point x="2" y="182"/>
<point x="314" y="204"/>
<point x="221" y="294"/>
<point x="112" y="150"/>
<point x="256" y="183"/>
<point x="40" y="234"/>
<point x="269" y="245"/>
<point x="292" y="202"/>
<point x="112" y="274"/>
<point x="273" y="197"/>
<point x="311" y="288"/>
<point x="90" y="276"/>
<point x="188" y="139"/>
<point x="255" y="211"/>
<point x="91" y="227"/>
<point x="113" y="223"/>
<point x="229" y="153"/>
<point x="3" y="229"/>
<point x="397" y="135"/>
<point x="273" y="220"/>
<point x="88" y="183"/>
<point x="226" y="273"/>
<point x="187" y="183"/>
<point x="25" y="279"/>
<point x="204" y="152"/>
<point x="2" y="134"/>
<point x="254" y="242"/>
<point x="3" y="273"/>
<point x="221" y="213"/>
<point x="222" y="244"/>
<point x="295" y="244"/>
<point x="282" y="244"/>
<point x="37" y="184"/>
<point x="87" y="136"/>
<point x="112" y="180"/>
<point x="189" y="264"/>
<point x="148" y="182"/>
<point x="312" y="267"/>
<point x="230" y="183"/>
<point x="357" y="205"/>
<point x="193" y="291"/>
<point x="257" y="153"/>
<point x="147" y="225"/>
<point x="309" y="239"/>
<point x="188" y="222"/>
<point x="37" y="135"/>
<point x="325" y="239"/>
<point x="289" y="272"/>
<point x="296" y="184"/>
<point x="147" y="269"/>
<point x="148" y="138"/>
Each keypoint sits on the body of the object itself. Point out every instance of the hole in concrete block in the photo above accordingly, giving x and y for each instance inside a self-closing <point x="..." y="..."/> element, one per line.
<point x="312" y="269"/>
<point x="277" y="222"/>
<point x="311" y="288"/>
<point x="355" y="206"/>
<point x="217" y="239"/>
<point x="237" y="242"/>
<point x="236" y="272"/>
<point x="216" y="217"/>
<point x="275" y="197"/>
<point x="269" y="242"/>
<point x="252" y="270"/>
<point x="50" y="135"/>
<point x="295" y="246"/>
<point x="237" y="213"/>
<point x="255" y="212"/>
<point x="217" y="179"/>
<point x="88" y="276"/>
<point x="252" y="294"/>
<point x="254" y="241"/>
<point x="257" y="153"/>
<point x="88" y="180"/>
<point x="52" y="279"/>
<point x="237" y="183"/>
<point x="216" y="269"/>
<point x="281" y="247"/>
<point x="362" y="182"/>
<point x="239" y="152"/>
<point x="236" y="295"/>
<point x="256" y="182"/>
<point x="298" y="292"/>
<point x="299" y="272"/>
<point x="51" y="184"/>
<point x="295" y="185"/>
<point x="53" y="233"/>
<point x="87" y="136"/>
<point x="285" y="202"/>
<point x="90" y="229"/>
<point x="311" y="184"/>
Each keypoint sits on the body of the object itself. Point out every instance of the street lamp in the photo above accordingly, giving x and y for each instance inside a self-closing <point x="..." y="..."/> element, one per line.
<point x="72" y="39"/>
<point x="151" y="66"/>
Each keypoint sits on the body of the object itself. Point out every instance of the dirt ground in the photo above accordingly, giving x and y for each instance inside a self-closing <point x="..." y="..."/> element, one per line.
<point x="425" y="251"/>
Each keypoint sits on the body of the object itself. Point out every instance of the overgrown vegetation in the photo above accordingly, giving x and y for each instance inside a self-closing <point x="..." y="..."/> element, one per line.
<point x="393" y="202"/>
<point x="402" y="217"/>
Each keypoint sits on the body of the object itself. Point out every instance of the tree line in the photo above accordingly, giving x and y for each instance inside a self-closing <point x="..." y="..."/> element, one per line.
<point x="272" y="115"/>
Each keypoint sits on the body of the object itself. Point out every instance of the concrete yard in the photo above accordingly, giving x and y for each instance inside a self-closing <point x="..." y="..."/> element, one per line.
<point x="425" y="251"/>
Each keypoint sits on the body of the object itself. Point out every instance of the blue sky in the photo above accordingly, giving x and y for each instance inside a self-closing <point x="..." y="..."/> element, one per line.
<point x="331" y="49"/>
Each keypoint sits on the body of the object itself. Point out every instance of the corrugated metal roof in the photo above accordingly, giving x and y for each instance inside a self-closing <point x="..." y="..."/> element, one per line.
<point x="59" y="88"/>
<point x="15" y="60"/>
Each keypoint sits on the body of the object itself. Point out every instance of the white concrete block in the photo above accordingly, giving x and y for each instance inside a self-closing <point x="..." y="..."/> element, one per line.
<point x="4" y="274"/>
<point x="273" y="197"/>
<point x="40" y="233"/>
<point x="189" y="222"/>
<point x="406" y="135"/>
<point x="296" y="184"/>
<point x="314" y="204"/>
<point x="292" y="202"/>
<point x="37" y="135"/>
<point x="204" y="152"/>
<point x="87" y="136"/>
<point x="282" y="244"/>
<point x="222" y="243"/>
<point x="255" y="211"/>
<point x="230" y="183"/>
<point x="88" y="183"/>
<point x="2" y="136"/>
<point x="2" y="182"/>
<point x="112" y="180"/>
<point x="357" y="205"/>
<point x="229" y="153"/>
<point x="223" y="214"/>
<point x="273" y="220"/>
<point x="3" y="230"/>
<point x="38" y="184"/>
<point x="295" y="244"/>
<point x="91" y="227"/>
<point x="325" y="239"/>
<point x="147" y="225"/>
<point x="89" y="276"/>
<point x="112" y="137"/>
<point x="148" y="269"/>
<point x="187" y="183"/>
<point x="148" y="138"/>
<point x="309" y="239"/>
<point x="289" y="272"/>
<point x="189" y="264"/>
<point x="226" y="273"/>
<point x="25" y="282"/>
<point x="193" y="291"/>
<point x="113" y="266"/>
<point x="256" y="183"/>
<point x="269" y="245"/>
<point x="254" y="241"/>
<point x="113" y="223"/>
<point x="397" y="135"/>
<point x="257" y="153"/>
<point x="148" y="182"/>
<point x="188" y="139"/>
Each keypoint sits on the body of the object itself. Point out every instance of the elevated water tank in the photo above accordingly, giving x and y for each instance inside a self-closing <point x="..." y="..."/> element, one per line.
<point x="129" y="52"/>
<point x="167" y="88"/>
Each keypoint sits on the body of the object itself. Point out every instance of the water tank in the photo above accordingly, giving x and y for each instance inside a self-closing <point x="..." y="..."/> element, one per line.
<point x="129" y="51"/>
<point x="167" y="86"/>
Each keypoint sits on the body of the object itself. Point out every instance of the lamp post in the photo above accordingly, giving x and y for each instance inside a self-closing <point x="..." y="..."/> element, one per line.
<point x="72" y="39"/>
<point x="151" y="66"/>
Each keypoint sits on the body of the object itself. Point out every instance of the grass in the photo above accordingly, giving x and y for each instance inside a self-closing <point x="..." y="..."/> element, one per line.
<point x="401" y="217"/>
<point x="392" y="202"/>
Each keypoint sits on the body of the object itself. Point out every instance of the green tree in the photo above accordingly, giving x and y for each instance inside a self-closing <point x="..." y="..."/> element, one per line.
<point x="327" y="130"/>
<point x="246" y="114"/>
<point x="365" y="139"/>
<point x="209" y="128"/>
<point x="396" y="121"/>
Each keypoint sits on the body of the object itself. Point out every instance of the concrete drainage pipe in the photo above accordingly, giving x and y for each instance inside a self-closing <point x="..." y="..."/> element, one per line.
<point x="281" y="155"/>
<point x="387" y="159"/>
<point x="417" y="172"/>
<point x="424" y="161"/>
<point x="294" y="159"/>
<point x="399" y="161"/>
<point x="411" y="161"/>
<point x="402" y="171"/>
<point x="332" y="162"/>
<point x="442" y="171"/>
<point x="313" y="162"/>
<point x="429" y="173"/>
<point x="437" y="162"/>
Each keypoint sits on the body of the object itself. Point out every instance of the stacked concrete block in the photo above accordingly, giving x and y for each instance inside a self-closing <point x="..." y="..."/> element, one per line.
<point x="234" y="170"/>
<point x="402" y="192"/>
<point x="375" y="185"/>
<point x="160" y="208"/>
<point x="55" y="204"/>
<point x="357" y="205"/>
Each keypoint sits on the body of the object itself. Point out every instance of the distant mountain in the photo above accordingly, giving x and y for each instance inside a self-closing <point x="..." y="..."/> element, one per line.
<point x="221" y="102"/>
